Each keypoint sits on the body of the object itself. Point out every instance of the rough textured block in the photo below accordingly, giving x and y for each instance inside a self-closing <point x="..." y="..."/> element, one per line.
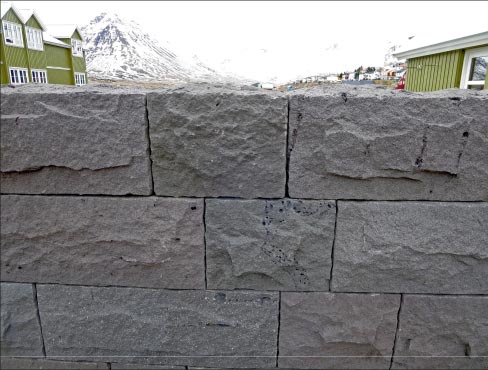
<point x="60" y="140"/>
<point x="411" y="247"/>
<point x="225" y="328"/>
<point x="38" y="363"/>
<point x="146" y="242"/>
<point x="337" y="331"/>
<point x="371" y="143"/>
<point x="269" y="244"/>
<point x="20" y="333"/>
<point x="126" y="366"/>
<point x="214" y="142"/>
<point x="442" y="332"/>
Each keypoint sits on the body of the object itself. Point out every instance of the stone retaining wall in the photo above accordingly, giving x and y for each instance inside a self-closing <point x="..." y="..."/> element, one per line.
<point x="211" y="227"/>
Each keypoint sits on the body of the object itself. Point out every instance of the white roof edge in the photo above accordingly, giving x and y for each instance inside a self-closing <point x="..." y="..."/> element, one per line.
<point x="48" y="39"/>
<point x="63" y="33"/>
<point x="34" y="14"/>
<point x="455" y="44"/>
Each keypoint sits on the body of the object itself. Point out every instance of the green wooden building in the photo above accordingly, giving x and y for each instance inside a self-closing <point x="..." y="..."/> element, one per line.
<point x="457" y="63"/>
<point x="31" y="52"/>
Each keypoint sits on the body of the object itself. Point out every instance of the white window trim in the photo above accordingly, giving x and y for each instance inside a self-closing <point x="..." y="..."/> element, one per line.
<point x="77" y="74"/>
<point x="35" y="46"/>
<point x="76" y="54"/>
<point x="18" y="69"/>
<point x="468" y="57"/>
<point x="19" y="26"/>
<point x="61" y="68"/>
<point x="39" y="70"/>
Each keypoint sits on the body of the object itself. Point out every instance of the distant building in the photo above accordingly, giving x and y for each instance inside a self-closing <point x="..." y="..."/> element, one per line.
<point x="29" y="54"/>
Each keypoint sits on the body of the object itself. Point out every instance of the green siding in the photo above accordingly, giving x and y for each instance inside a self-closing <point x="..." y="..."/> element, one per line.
<point x="79" y="64"/>
<point x="14" y="56"/>
<point x="37" y="59"/>
<point x="60" y="77"/>
<point x="11" y="17"/>
<point x="76" y="35"/>
<point x="57" y="56"/>
<point x="32" y="22"/>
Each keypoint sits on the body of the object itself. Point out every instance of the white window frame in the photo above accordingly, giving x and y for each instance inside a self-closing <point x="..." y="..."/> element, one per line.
<point x="12" y="31"/>
<point x="19" y="75"/>
<point x="39" y="79"/>
<point x="34" y="38"/>
<point x="79" y="81"/>
<point x="76" y="48"/>
<point x="468" y="58"/>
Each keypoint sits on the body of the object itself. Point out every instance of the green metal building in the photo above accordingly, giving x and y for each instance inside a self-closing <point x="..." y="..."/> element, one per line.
<point x="31" y="54"/>
<point x="457" y="63"/>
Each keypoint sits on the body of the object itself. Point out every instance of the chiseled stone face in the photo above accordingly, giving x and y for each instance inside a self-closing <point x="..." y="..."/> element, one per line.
<point x="337" y="331"/>
<point x="227" y="329"/>
<point x="145" y="242"/>
<point x="214" y="142"/>
<point x="453" y="330"/>
<point x="63" y="141"/>
<point x="20" y="334"/>
<point x="40" y="364"/>
<point x="364" y="143"/>
<point x="269" y="244"/>
<point x="411" y="247"/>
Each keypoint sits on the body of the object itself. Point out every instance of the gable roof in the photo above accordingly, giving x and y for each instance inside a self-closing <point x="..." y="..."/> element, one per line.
<point x="64" y="31"/>
<point x="48" y="39"/>
<point x="6" y="6"/>
<point x="28" y="13"/>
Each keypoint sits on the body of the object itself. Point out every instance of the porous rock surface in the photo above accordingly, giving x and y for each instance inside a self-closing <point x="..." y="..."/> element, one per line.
<point x="58" y="140"/>
<point x="214" y="142"/>
<point x="228" y="329"/>
<point x="442" y="332"/>
<point x="11" y="363"/>
<point x="337" y="331"/>
<point x="148" y="242"/>
<point x="269" y="244"/>
<point x="20" y="333"/>
<point x="411" y="247"/>
<point x="371" y="143"/>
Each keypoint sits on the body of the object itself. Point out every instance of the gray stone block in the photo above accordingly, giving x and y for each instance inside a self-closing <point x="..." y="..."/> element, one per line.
<point x="145" y="242"/>
<point x="442" y="332"/>
<point x="269" y="244"/>
<point x="411" y="247"/>
<point x="20" y="333"/>
<point x="11" y="363"/>
<point x="176" y="328"/>
<point x="62" y="141"/>
<point x="367" y="143"/>
<point x="337" y="331"/>
<point x="126" y="366"/>
<point x="217" y="142"/>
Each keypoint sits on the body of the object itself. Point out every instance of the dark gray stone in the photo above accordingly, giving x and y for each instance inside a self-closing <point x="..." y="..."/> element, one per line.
<point x="217" y="142"/>
<point x="228" y="329"/>
<point x="41" y="364"/>
<point x="337" y="331"/>
<point x="367" y="143"/>
<point x="442" y="332"/>
<point x="20" y="333"/>
<point x="411" y="247"/>
<point x="145" y="242"/>
<point x="269" y="244"/>
<point x="126" y="366"/>
<point x="74" y="142"/>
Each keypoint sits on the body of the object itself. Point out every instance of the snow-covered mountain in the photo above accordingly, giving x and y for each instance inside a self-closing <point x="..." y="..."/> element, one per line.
<point x="120" y="50"/>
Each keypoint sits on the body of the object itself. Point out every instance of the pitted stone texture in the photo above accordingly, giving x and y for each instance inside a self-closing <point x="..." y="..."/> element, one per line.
<point x="228" y="329"/>
<point x="349" y="143"/>
<point x="68" y="142"/>
<point x="269" y="244"/>
<point x="214" y="142"/>
<point x="337" y="331"/>
<point x="453" y="330"/>
<point x="126" y="366"/>
<point x="39" y="364"/>
<point x="20" y="330"/>
<point x="146" y="242"/>
<point x="411" y="247"/>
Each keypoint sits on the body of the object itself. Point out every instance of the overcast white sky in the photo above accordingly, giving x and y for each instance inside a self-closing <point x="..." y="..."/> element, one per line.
<point x="282" y="38"/>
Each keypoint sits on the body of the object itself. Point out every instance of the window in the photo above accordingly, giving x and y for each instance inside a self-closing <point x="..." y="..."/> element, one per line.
<point x="39" y="76"/>
<point x="474" y="69"/>
<point x="12" y="33"/>
<point x="18" y="76"/>
<point x="34" y="38"/>
<point x="76" y="48"/>
<point x="80" y="79"/>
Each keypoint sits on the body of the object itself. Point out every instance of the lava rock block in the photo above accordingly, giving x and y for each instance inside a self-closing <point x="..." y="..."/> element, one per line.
<point x="144" y="242"/>
<point x="218" y="142"/>
<point x="337" y="331"/>
<point x="63" y="141"/>
<point x="20" y="333"/>
<point x="39" y="364"/>
<point x="411" y="247"/>
<point x="367" y="143"/>
<point x="269" y="244"/>
<point x="167" y="327"/>
<point x="442" y="332"/>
